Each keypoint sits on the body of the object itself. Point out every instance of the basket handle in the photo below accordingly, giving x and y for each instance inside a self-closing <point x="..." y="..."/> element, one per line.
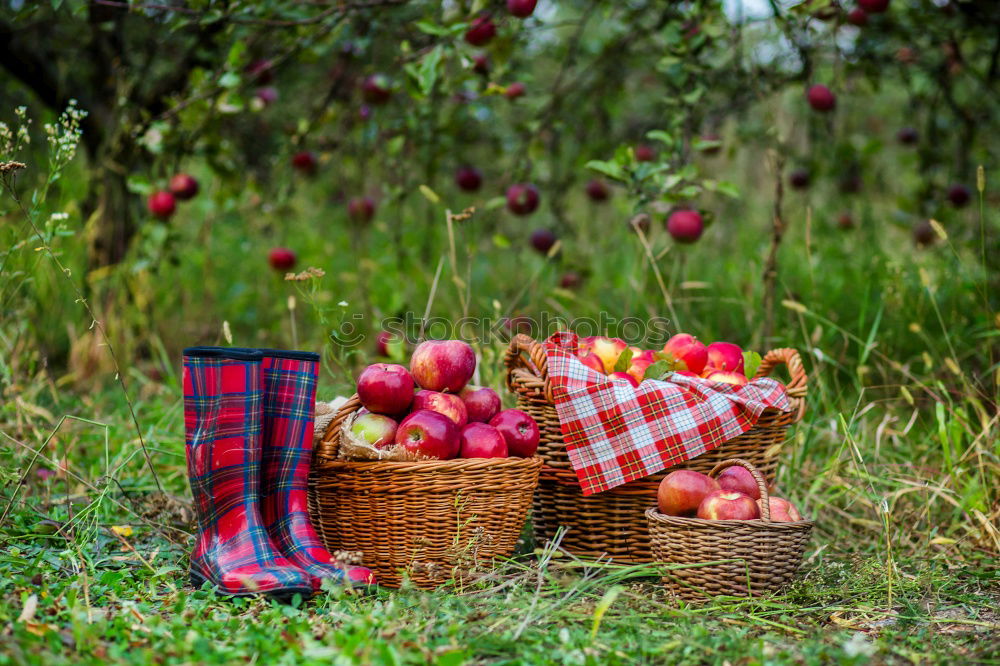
<point x="526" y="354"/>
<point x="328" y="446"/>
<point x="798" y="384"/>
<point x="765" y="504"/>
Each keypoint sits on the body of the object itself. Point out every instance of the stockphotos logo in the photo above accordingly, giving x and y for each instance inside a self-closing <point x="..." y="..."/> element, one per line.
<point x="488" y="330"/>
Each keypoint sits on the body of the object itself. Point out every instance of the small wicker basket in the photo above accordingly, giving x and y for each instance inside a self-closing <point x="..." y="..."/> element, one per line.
<point x="432" y="520"/>
<point x="612" y="523"/>
<point x="730" y="557"/>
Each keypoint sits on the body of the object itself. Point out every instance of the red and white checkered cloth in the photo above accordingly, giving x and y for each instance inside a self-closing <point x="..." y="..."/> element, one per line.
<point x="616" y="433"/>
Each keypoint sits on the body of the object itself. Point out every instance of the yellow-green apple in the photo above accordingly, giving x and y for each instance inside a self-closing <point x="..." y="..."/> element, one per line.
<point x="734" y="378"/>
<point x="687" y="353"/>
<point x="728" y="505"/>
<point x="443" y="365"/>
<point x="376" y="429"/>
<point x="591" y="360"/>
<point x="682" y="491"/>
<point x="481" y="403"/>
<point x="385" y="388"/>
<point x="640" y="360"/>
<point x="608" y="350"/>
<point x="739" y="479"/>
<point x="725" y="356"/>
<point x="429" y="434"/>
<point x="448" y="404"/>
<point x="782" y="511"/>
<point x="519" y="430"/>
<point x="481" y="440"/>
<point x="626" y="376"/>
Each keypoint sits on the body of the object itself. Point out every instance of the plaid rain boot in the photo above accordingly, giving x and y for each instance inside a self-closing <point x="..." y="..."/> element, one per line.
<point x="222" y="420"/>
<point x="289" y="411"/>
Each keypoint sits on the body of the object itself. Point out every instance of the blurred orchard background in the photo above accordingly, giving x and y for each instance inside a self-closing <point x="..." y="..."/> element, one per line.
<point x="502" y="160"/>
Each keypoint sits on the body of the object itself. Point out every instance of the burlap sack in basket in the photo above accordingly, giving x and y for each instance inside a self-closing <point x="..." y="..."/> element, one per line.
<point x="430" y="520"/>
<point x="613" y="522"/>
<point x="728" y="557"/>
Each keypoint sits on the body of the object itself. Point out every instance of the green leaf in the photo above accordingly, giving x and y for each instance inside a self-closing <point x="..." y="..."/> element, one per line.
<point x="624" y="360"/>
<point x="751" y="361"/>
<point x="705" y="144"/>
<point x="501" y="241"/>
<point x="727" y="188"/>
<point x="602" y="607"/>
<point x="659" y="370"/>
<point x="661" y="136"/>
<point x="609" y="169"/>
<point x="429" y="28"/>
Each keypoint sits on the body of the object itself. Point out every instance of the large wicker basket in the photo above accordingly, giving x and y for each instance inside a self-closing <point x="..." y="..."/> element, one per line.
<point x="612" y="523"/>
<point x="731" y="557"/>
<point x="431" y="520"/>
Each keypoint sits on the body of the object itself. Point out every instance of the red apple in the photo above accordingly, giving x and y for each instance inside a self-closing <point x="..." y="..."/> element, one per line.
<point x="448" y="404"/>
<point x="592" y="361"/>
<point x="281" y="259"/>
<point x="857" y="16"/>
<point x="782" y="511"/>
<point x="728" y="505"/>
<point x="376" y="429"/>
<point x="522" y="198"/>
<point x="874" y="6"/>
<point x="821" y="98"/>
<point x="608" y="350"/>
<point x="739" y="479"/>
<point x="429" y="434"/>
<point x="907" y="136"/>
<point x="361" y="209"/>
<point x="799" y="179"/>
<point x="161" y="204"/>
<point x="645" y="153"/>
<point x="481" y="403"/>
<point x="687" y="353"/>
<point x="626" y="376"/>
<point x="570" y="280"/>
<point x="376" y="89"/>
<point x="725" y="376"/>
<point x="481" y="31"/>
<point x="924" y="234"/>
<point x="443" y="365"/>
<point x="385" y="388"/>
<point x="468" y="178"/>
<point x="598" y="190"/>
<point x="543" y="240"/>
<point x="521" y="8"/>
<point x="305" y="162"/>
<point x="959" y="195"/>
<point x="519" y="430"/>
<point x="724" y="356"/>
<point x="685" y="226"/>
<point x="183" y="186"/>
<point x="514" y="90"/>
<point x="682" y="491"/>
<point x="481" y="440"/>
<point x="640" y="360"/>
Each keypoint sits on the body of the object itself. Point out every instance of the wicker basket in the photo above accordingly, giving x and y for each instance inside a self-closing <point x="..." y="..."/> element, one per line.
<point x="433" y="520"/>
<point x="732" y="557"/>
<point x="612" y="523"/>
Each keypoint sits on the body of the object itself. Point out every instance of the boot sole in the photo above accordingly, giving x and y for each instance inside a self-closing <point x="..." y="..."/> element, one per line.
<point x="285" y="594"/>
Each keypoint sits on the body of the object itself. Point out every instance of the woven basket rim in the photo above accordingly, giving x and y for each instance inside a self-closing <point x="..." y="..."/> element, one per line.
<point x="680" y="522"/>
<point x="428" y="466"/>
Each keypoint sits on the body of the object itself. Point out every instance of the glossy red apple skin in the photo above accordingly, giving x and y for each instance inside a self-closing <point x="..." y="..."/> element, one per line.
<point x="429" y="434"/>
<point x="443" y="365"/>
<point x="521" y="8"/>
<point x="687" y="352"/>
<point x="519" y="430"/>
<point x="481" y="31"/>
<point x="385" y="388"/>
<point x="685" y="226"/>
<point x="739" y="479"/>
<point x="161" y="204"/>
<point x="592" y="361"/>
<point x="782" y="511"/>
<point x="481" y="403"/>
<point x="626" y="376"/>
<point x="726" y="377"/>
<point x="821" y="98"/>
<point x="725" y="356"/>
<point x="281" y="259"/>
<point x="468" y="178"/>
<point x="377" y="429"/>
<point x="448" y="404"/>
<point x="728" y="505"/>
<point x="481" y="440"/>
<point x="682" y="491"/>
<point x="184" y="186"/>
<point x="522" y="198"/>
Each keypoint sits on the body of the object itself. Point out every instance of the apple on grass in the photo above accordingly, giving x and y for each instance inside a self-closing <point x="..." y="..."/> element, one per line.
<point x="448" y="404"/>
<point x="443" y="365"/>
<point x="385" y="388"/>
<point x="739" y="479"/>
<point x="782" y="511"/>
<point x="375" y="429"/>
<point x="728" y="505"/>
<point x="681" y="492"/>
<point x="519" y="430"/>
<point x="481" y="440"/>
<point x="686" y="352"/>
<point x="429" y="434"/>
<point x="481" y="403"/>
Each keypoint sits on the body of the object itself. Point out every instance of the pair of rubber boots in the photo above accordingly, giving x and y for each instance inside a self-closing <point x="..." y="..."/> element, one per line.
<point x="248" y="420"/>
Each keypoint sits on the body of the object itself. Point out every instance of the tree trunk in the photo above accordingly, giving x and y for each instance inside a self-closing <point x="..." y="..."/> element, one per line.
<point x="108" y="210"/>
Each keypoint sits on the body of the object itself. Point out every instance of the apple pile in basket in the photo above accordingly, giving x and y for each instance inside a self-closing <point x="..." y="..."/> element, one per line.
<point x="733" y="495"/>
<point x="683" y="354"/>
<point x="430" y="412"/>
